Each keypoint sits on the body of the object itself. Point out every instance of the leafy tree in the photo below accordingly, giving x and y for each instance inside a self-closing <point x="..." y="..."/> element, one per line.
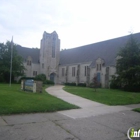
<point x="5" y="61"/>
<point x="95" y="82"/>
<point x="128" y="66"/>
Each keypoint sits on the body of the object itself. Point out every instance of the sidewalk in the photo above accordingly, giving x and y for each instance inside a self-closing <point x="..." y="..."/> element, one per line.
<point x="88" y="108"/>
<point x="55" y="126"/>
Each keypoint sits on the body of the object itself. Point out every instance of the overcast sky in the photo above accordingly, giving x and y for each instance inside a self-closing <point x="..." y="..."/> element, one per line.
<point x="77" y="22"/>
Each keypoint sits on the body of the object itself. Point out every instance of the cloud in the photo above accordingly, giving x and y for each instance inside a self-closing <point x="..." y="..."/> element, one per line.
<point x="77" y="22"/>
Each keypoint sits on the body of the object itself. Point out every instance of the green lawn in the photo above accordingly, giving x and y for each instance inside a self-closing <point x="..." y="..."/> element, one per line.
<point x="137" y="110"/>
<point x="105" y="96"/>
<point x="13" y="101"/>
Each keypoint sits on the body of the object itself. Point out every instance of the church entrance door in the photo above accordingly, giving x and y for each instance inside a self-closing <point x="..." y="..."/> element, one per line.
<point x="52" y="77"/>
<point x="98" y="77"/>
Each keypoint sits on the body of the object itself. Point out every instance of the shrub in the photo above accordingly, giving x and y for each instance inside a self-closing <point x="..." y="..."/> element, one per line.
<point x="115" y="83"/>
<point x="67" y="84"/>
<point x="49" y="82"/>
<point x="98" y="85"/>
<point x="24" y="78"/>
<point x="91" y="85"/>
<point x="131" y="88"/>
<point x="70" y="84"/>
<point x="82" y="84"/>
<point x="41" y="77"/>
<point x="2" y="80"/>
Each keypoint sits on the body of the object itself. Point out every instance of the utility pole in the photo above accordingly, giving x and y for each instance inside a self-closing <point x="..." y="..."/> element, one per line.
<point x="11" y="61"/>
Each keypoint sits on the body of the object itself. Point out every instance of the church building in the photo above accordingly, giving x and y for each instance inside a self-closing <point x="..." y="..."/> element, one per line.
<point x="77" y="65"/>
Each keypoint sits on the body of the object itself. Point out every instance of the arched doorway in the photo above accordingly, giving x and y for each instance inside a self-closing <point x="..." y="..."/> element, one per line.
<point x="52" y="77"/>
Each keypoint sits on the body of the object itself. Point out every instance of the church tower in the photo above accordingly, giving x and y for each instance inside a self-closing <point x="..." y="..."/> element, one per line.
<point x="49" y="55"/>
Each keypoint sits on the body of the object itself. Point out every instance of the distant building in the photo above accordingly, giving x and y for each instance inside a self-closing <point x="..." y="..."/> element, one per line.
<point x="78" y="65"/>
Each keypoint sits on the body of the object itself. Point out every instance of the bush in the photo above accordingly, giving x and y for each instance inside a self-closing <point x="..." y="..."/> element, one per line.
<point x="91" y="85"/>
<point x="131" y="88"/>
<point x="82" y="84"/>
<point x="24" y="78"/>
<point x="70" y="84"/>
<point x="115" y="83"/>
<point x="49" y="82"/>
<point x="41" y="77"/>
<point x="98" y="85"/>
<point x="2" y="80"/>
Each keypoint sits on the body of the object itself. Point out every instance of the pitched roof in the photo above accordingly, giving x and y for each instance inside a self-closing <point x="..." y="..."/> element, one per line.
<point x="25" y="52"/>
<point x="106" y="50"/>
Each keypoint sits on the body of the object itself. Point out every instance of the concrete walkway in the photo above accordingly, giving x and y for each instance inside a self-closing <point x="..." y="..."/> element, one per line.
<point x="88" y="108"/>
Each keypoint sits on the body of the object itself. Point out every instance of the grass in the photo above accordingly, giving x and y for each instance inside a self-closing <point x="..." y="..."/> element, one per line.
<point x="137" y="110"/>
<point x="105" y="96"/>
<point x="14" y="101"/>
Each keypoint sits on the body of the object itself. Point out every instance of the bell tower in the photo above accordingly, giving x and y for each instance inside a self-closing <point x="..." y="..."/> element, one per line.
<point x="49" y="55"/>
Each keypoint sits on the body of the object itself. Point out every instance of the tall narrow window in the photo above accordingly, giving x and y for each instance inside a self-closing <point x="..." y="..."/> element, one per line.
<point x="73" y="71"/>
<point x="29" y="62"/>
<point x="100" y="67"/>
<point x="53" y="52"/>
<point x="86" y="70"/>
<point x="42" y="65"/>
<point x="53" y="48"/>
<point x="97" y="67"/>
<point x="34" y="73"/>
<point x="99" y="64"/>
<point x="63" y="71"/>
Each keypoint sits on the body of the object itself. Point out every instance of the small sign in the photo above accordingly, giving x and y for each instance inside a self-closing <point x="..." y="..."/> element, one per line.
<point x="29" y="85"/>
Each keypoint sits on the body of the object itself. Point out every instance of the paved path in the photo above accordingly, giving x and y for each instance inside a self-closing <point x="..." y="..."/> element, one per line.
<point x="88" y="107"/>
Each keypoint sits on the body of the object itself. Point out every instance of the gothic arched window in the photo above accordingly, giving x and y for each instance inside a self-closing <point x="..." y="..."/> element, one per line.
<point x="99" y="63"/>
<point x="53" y="48"/>
<point x="29" y="61"/>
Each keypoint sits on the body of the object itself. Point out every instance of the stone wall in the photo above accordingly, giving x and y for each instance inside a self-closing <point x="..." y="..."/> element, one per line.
<point x="37" y="87"/>
<point x="105" y="74"/>
<point x="79" y="73"/>
<point x="30" y="68"/>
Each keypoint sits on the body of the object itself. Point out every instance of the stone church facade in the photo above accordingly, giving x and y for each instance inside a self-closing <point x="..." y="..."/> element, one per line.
<point x="77" y="65"/>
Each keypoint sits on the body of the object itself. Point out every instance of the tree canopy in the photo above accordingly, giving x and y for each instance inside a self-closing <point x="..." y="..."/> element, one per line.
<point x="128" y="66"/>
<point x="5" y="61"/>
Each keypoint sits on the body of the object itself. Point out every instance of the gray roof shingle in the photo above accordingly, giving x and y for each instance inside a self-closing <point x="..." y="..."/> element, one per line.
<point x="25" y="52"/>
<point x="106" y="50"/>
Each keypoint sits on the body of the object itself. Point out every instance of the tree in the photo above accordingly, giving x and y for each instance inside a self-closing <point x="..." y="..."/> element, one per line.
<point x="128" y="66"/>
<point x="5" y="57"/>
<point x="95" y="82"/>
